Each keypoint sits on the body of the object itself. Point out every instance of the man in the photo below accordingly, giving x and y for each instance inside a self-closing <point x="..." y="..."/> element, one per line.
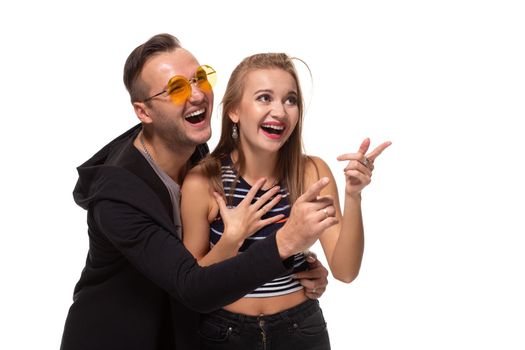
<point x="139" y="279"/>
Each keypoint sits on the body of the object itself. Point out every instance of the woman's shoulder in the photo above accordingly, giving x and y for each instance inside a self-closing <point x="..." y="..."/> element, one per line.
<point x="314" y="169"/>
<point x="315" y="166"/>
<point x="196" y="177"/>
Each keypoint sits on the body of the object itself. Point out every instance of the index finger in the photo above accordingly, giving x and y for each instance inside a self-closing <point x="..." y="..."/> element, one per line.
<point x="359" y="155"/>
<point x="220" y="201"/>
<point x="378" y="150"/>
<point x="313" y="191"/>
<point x="253" y="191"/>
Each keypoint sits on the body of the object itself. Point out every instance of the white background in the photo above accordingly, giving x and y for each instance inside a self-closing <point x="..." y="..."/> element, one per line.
<point x="443" y="80"/>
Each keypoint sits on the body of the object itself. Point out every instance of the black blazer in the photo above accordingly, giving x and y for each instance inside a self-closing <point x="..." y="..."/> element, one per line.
<point x="140" y="287"/>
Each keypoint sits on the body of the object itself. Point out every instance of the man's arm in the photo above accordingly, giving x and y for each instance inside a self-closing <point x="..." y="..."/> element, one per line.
<point x="163" y="259"/>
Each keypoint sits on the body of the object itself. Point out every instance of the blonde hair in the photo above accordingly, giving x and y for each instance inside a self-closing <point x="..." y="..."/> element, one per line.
<point x="291" y="159"/>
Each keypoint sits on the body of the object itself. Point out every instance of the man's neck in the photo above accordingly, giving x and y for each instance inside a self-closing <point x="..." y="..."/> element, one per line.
<point x="172" y="162"/>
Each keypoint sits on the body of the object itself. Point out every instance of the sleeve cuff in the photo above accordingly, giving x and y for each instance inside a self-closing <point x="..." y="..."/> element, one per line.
<point x="269" y="245"/>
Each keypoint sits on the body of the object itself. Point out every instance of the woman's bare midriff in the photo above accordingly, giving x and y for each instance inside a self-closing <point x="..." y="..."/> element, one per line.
<point x="266" y="306"/>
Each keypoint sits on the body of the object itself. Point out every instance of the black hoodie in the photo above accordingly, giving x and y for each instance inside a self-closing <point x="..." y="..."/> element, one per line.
<point x="137" y="271"/>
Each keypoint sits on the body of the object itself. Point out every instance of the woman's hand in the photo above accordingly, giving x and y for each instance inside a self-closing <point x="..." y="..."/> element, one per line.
<point x="358" y="172"/>
<point x="245" y="219"/>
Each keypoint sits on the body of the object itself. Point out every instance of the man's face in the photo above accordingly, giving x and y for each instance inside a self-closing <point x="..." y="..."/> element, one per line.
<point x="181" y="124"/>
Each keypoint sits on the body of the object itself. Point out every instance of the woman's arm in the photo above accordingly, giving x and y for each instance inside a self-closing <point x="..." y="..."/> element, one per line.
<point x="343" y="243"/>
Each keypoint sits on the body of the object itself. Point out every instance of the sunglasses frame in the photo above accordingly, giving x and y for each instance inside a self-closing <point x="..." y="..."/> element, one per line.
<point x="207" y="69"/>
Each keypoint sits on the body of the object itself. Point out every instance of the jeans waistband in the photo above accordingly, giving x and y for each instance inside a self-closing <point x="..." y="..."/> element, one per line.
<point x="297" y="312"/>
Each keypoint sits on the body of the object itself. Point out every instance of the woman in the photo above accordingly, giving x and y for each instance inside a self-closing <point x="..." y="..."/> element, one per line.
<point x="261" y="137"/>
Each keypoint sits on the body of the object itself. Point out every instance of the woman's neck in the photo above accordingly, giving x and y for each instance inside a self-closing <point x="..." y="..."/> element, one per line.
<point x="258" y="165"/>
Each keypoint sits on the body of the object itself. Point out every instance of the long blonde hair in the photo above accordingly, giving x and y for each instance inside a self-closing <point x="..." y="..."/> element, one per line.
<point x="291" y="159"/>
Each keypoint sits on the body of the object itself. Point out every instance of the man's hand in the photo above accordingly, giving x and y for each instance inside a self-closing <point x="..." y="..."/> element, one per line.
<point x="314" y="280"/>
<point x="310" y="216"/>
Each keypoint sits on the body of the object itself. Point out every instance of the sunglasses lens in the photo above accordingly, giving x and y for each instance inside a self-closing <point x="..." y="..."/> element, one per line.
<point x="179" y="89"/>
<point x="205" y="77"/>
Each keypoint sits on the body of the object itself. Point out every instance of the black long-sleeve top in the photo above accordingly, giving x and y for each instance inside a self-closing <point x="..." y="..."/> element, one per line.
<point x="137" y="271"/>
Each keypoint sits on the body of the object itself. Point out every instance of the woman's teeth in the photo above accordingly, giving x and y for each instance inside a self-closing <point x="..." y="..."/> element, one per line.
<point x="273" y="129"/>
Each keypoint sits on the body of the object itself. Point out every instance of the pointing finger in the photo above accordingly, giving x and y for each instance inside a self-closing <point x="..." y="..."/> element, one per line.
<point x="378" y="150"/>
<point x="314" y="190"/>
<point x="350" y="156"/>
<point x="359" y="155"/>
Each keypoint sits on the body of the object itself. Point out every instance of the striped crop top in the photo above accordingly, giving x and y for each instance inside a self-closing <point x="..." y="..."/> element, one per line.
<point x="283" y="284"/>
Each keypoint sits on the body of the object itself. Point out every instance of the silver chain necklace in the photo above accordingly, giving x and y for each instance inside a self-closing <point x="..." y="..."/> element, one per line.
<point x="144" y="147"/>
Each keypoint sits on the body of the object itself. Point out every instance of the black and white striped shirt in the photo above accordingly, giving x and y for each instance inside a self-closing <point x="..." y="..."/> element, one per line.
<point x="281" y="285"/>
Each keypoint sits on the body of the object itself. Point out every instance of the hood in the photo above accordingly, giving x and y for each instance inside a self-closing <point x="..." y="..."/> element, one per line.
<point x="93" y="172"/>
<point x="116" y="168"/>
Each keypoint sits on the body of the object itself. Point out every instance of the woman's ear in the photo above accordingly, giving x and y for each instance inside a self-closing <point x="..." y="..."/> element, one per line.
<point x="234" y="116"/>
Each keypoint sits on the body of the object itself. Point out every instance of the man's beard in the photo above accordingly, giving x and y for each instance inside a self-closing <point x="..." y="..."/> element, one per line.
<point x="173" y="134"/>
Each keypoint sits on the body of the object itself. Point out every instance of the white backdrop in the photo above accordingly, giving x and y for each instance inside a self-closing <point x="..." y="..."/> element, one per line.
<point x="443" y="80"/>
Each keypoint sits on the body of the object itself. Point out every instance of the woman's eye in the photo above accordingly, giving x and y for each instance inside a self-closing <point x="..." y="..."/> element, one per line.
<point x="263" y="98"/>
<point x="292" y="100"/>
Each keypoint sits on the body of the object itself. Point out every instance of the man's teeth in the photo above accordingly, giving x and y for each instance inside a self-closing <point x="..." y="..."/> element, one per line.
<point x="200" y="111"/>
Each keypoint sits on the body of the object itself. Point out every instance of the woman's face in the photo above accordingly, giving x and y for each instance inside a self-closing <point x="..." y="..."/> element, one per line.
<point x="268" y="111"/>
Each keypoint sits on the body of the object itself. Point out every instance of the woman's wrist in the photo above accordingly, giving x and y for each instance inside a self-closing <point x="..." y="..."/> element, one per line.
<point x="232" y="239"/>
<point x="356" y="197"/>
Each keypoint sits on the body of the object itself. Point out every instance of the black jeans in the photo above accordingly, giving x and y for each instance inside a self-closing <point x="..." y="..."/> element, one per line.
<point x="299" y="328"/>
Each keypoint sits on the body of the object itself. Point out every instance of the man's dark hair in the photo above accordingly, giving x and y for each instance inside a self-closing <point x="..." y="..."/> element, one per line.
<point x="138" y="57"/>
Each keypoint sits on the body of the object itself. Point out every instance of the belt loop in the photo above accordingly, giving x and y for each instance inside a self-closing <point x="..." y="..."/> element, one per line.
<point x="242" y="323"/>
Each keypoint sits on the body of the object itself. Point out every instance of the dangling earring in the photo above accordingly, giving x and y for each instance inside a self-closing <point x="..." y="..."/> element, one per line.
<point x="235" y="132"/>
